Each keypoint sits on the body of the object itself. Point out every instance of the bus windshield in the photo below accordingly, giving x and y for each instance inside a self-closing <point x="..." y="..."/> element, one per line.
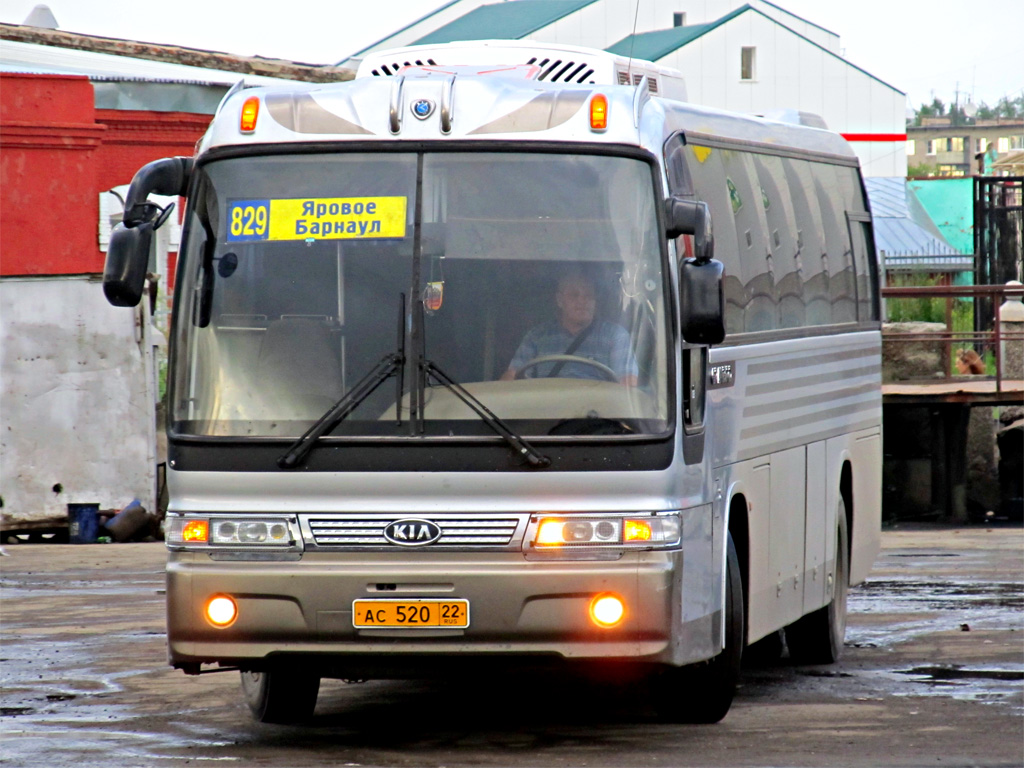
<point x="540" y="277"/>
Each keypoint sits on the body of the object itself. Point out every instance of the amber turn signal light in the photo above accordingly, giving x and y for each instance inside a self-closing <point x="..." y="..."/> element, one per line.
<point x="196" y="531"/>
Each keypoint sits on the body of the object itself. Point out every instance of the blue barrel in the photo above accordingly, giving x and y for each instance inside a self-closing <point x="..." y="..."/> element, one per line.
<point x="83" y="523"/>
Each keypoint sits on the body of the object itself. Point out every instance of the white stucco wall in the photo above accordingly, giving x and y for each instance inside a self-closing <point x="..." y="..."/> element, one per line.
<point x="605" y="22"/>
<point x="796" y="74"/>
<point x="77" y="400"/>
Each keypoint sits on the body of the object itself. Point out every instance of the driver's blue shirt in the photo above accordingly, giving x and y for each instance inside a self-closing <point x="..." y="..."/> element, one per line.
<point x="605" y="343"/>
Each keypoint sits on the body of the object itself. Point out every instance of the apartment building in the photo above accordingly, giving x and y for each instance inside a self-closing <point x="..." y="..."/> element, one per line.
<point x="944" y="149"/>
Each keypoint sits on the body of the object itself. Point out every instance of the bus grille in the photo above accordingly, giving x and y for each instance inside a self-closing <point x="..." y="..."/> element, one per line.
<point x="369" y="531"/>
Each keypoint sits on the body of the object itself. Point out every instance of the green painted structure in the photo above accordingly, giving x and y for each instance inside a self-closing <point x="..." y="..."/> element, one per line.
<point x="950" y="204"/>
<point x="507" y="21"/>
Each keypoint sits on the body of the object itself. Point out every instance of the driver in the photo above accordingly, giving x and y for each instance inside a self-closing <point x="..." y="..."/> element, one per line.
<point x="576" y="333"/>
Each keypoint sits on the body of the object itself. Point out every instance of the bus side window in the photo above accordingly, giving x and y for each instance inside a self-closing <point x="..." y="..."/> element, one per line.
<point x="810" y="241"/>
<point x="679" y="179"/>
<point x="778" y="208"/>
<point x="705" y="164"/>
<point x="842" y="280"/>
<point x="864" y="259"/>
<point x="863" y="251"/>
<point x="680" y="184"/>
<point x="755" y="253"/>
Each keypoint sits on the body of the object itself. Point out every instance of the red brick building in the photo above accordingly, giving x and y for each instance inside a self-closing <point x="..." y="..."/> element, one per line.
<point x="57" y="154"/>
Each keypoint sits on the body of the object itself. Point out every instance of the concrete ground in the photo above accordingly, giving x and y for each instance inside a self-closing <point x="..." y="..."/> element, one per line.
<point x="933" y="675"/>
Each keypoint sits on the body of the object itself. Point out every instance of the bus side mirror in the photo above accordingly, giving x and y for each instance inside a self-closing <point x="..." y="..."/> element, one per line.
<point x="701" y="302"/>
<point x="690" y="217"/>
<point x="124" y="272"/>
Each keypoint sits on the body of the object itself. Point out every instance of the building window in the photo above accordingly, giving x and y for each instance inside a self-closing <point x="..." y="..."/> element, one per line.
<point x="748" y="63"/>
<point x="956" y="144"/>
<point x="933" y="146"/>
<point x="911" y="147"/>
<point x="1017" y="142"/>
<point x="1003" y="144"/>
<point x="678" y="19"/>
<point x="951" y="170"/>
<point x="980" y="145"/>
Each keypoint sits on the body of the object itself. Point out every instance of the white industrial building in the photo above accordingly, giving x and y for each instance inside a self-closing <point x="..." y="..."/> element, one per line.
<point x="756" y="58"/>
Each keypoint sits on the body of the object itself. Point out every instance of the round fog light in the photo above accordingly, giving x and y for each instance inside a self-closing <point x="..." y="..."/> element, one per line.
<point x="221" y="611"/>
<point x="607" y="610"/>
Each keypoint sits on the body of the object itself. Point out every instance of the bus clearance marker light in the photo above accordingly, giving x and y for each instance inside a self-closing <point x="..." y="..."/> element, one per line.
<point x="599" y="112"/>
<point x="607" y="610"/>
<point x="196" y="531"/>
<point x="250" y="111"/>
<point x="221" y="611"/>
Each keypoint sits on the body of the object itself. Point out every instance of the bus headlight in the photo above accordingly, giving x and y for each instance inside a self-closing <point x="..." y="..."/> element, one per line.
<point x="644" y="530"/>
<point x="241" y="531"/>
<point x="252" y="532"/>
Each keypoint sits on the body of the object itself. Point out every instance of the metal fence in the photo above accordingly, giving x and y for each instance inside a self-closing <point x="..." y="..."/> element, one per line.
<point x="982" y="342"/>
<point x="998" y="238"/>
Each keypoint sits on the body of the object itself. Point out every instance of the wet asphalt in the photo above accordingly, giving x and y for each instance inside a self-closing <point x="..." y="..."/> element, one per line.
<point x="932" y="675"/>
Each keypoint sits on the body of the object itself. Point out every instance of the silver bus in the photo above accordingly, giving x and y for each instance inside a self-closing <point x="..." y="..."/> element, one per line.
<point x="498" y="367"/>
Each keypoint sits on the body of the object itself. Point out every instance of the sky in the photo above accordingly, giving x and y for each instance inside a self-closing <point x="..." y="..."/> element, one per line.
<point x="927" y="48"/>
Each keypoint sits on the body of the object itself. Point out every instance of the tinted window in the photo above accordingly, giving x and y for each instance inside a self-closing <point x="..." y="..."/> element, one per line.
<point x="781" y="221"/>
<point x="755" y="257"/>
<point x="860" y="238"/>
<point x="842" y="281"/>
<point x="709" y="185"/>
<point x="810" y="237"/>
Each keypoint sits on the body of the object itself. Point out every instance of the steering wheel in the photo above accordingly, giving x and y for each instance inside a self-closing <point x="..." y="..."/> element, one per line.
<point x="606" y="372"/>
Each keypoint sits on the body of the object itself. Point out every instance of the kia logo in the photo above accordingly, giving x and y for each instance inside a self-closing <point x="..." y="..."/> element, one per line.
<point x="412" y="533"/>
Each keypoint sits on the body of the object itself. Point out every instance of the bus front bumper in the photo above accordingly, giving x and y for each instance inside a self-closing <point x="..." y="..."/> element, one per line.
<point x="518" y="608"/>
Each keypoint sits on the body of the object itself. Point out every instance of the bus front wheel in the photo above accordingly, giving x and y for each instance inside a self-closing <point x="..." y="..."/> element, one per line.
<point x="280" y="695"/>
<point x="703" y="693"/>
<point x="818" y="637"/>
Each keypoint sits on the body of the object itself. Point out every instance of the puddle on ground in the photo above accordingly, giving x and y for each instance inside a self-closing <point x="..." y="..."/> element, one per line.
<point x="992" y="684"/>
<point x="922" y="606"/>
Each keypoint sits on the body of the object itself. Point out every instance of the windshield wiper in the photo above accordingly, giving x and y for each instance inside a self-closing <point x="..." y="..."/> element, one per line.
<point x="532" y="456"/>
<point x="384" y="370"/>
<point x="388" y="366"/>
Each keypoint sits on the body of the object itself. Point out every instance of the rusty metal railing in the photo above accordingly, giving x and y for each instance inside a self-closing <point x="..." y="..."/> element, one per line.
<point x="990" y="339"/>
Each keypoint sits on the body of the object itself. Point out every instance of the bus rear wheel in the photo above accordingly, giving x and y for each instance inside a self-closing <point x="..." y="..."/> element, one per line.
<point x="703" y="693"/>
<point x="280" y="695"/>
<point x="818" y="637"/>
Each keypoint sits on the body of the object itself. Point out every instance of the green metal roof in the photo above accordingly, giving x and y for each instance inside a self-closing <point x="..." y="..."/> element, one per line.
<point x="511" y="20"/>
<point x="651" y="46"/>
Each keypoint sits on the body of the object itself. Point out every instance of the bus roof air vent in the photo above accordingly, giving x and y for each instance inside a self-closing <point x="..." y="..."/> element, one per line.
<point x="390" y="69"/>
<point x="562" y="64"/>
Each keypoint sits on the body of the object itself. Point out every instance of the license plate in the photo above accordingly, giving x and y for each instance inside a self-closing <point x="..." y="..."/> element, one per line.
<point x="410" y="614"/>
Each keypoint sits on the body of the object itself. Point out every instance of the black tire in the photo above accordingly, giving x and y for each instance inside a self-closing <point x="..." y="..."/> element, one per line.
<point x="280" y="696"/>
<point x="703" y="693"/>
<point x="818" y="637"/>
